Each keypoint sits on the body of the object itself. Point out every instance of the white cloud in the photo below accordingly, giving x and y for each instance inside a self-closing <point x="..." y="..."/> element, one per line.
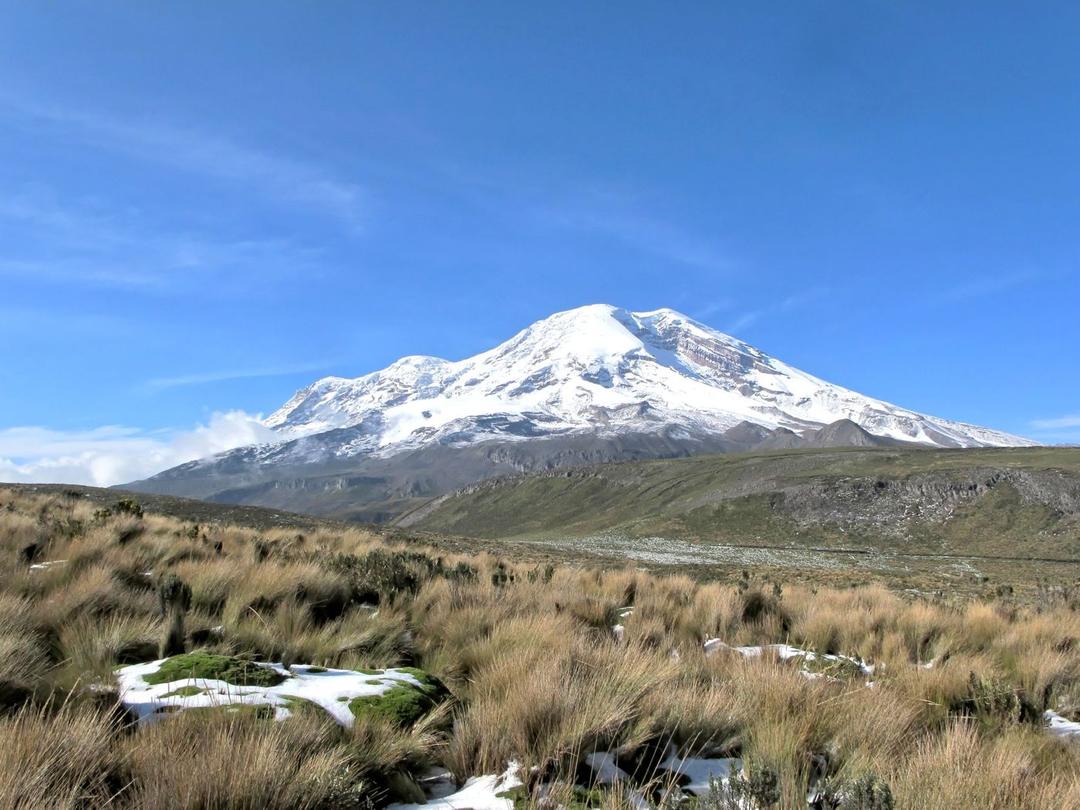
<point x="1057" y="430"/>
<point x="114" y="455"/>
<point x="1070" y="421"/>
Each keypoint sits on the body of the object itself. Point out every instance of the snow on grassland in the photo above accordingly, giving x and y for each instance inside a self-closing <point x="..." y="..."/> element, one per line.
<point x="1061" y="726"/>
<point x="331" y="689"/>
<point x="1056" y="724"/>
<point x="478" y="793"/>
<point x="785" y="652"/>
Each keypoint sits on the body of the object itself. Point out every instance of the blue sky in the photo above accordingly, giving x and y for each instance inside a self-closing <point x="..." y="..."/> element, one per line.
<point x="205" y="206"/>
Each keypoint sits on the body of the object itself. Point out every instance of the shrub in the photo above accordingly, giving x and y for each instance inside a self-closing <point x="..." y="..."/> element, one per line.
<point x="759" y="788"/>
<point x="758" y="606"/>
<point x="128" y="506"/>
<point x="991" y="700"/>
<point x="174" y="599"/>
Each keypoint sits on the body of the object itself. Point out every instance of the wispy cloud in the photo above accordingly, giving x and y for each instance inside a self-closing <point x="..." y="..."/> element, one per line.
<point x="252" y="171"/>
<point x="1057" y="430"/>
<point x="987" y="285"/>
<point x="643" y="232"/>
<point x="67" y="323"/>
<point x="706" y="310"/>
<point x="1069" y="421"/>
<point x="102" y="246"/>
<point x="744" y="321"/>
<point x="181" y="381"/>
<point x="113" y="454"/>
<point x="788" y="304"/>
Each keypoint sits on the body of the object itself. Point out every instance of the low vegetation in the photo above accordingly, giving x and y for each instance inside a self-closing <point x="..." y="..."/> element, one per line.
<point x="1021" y="504"/>
<point x="882" y="698"/>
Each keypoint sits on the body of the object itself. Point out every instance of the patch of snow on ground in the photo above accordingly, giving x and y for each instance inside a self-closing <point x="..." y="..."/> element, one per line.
<point x="437" y="783"/>
<point x="332" y="689"/>
<point x="700" y="771"/>
<point x="784" y="652"/>
<point x="478" y="793"/>
<point x="1060" y="726"/>
<point x="41" y="566"/>
<point x="603" y="765"/>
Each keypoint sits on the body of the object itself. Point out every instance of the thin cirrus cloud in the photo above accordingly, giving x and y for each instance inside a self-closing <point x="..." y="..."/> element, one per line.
<point x="987" y="286"/>
<point x="102" y="246"/>
<point x="111" y="455"/>
<point x="653" y="236"/>
<point x="620" y="216"/>
<point x="1057" y="430"/>
<point x="205" y="378"/>
<point x="282" y="178"/>
<point x="1057" y="423"/>
<point x="751" y="317"/>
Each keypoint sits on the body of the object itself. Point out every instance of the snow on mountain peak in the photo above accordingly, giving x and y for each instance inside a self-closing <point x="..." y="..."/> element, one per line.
<point x="598" y="369"/>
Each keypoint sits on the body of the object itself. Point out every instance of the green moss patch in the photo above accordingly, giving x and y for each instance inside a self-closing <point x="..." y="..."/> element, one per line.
<point x="403" y="703"/>
<point x="590" y="797"/>
<point x="206" y="666"/>
<point x="185" y="691"/>
<point x="427" y="680"/>
<point x="518" y="795"/>
<point x="840" y="668"/>
<point x="259" y="712"/>
<point x="301" y="705"/>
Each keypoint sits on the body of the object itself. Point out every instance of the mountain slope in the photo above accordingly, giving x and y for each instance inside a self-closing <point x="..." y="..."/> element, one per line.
<point x="600" y="369"/>
<point x="588" y="385"/>
<point x="1004" y="502"/>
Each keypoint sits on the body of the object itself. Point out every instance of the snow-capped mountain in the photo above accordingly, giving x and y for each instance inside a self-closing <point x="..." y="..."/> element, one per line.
<point x="601" y="370"/>
<point x="590" y="385"/>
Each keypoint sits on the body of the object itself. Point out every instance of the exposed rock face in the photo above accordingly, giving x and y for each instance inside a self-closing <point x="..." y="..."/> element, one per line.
<point x="891" y="505"/>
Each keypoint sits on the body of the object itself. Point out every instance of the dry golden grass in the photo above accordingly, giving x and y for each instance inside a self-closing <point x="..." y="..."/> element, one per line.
<point x="537" y="673"/>
<point x="220" y="760"/>
<point x="963" y="770"/>
<point x="58" y="758"/>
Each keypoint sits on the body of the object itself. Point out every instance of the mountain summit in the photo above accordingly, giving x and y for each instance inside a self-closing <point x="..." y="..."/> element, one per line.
<point x="588" y="385"/>
<point x="603" y="370"/>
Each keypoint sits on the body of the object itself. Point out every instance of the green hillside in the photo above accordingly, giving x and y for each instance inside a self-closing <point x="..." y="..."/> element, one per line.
<point x="1011" y="503"/>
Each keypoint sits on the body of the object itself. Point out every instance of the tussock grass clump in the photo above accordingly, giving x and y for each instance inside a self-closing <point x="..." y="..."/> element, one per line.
<point x="92" y="648"/>
<point x="953" y="770"/>
<point x="60" y="758"/>
<point x="236" y="760"/>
